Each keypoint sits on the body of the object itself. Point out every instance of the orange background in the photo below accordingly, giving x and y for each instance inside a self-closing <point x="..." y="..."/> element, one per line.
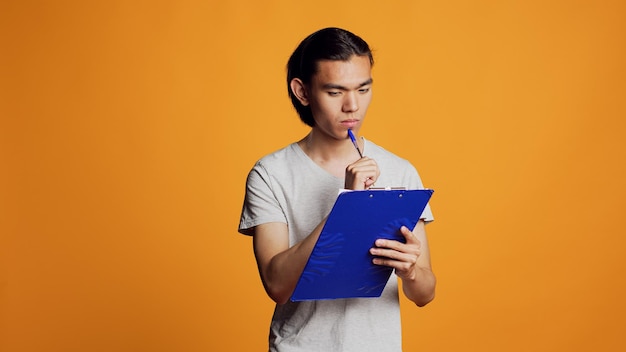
<point x="128" y="128"/>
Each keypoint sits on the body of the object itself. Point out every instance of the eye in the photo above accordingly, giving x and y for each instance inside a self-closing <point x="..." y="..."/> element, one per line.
<point x="364" y="90"/>
<point x="334" y="93"/>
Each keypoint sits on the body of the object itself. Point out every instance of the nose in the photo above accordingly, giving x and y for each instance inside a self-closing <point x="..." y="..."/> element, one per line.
<point x="351" y="102"/>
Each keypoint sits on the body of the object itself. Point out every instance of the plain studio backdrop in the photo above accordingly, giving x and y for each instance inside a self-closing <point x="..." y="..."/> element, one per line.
<point x="128" y="127"/>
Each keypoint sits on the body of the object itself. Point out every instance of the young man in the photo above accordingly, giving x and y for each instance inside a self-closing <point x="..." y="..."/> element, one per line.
<point x="291" y="191"/>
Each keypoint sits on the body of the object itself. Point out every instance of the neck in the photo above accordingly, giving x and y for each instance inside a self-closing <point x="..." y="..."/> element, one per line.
<point x="334" y="155"/>
<point x="321" y="145"/>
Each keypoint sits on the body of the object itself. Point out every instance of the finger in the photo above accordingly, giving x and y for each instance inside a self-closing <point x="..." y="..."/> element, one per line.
<point x="361" y="179"/>
<point x="404" y="265"/>
<point x="410" y="237"/>
<point x="369" y="170"/>
<point x="393" y="254"/>
<point x="398" y="246"/>
<point x="363" y="165"/>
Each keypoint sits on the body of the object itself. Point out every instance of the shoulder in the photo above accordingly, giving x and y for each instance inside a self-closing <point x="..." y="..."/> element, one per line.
<point x="395" y="171"/>
<point x="276" y="165"/>
<point x="382" y="155"/>
<point x="278" y="159"/>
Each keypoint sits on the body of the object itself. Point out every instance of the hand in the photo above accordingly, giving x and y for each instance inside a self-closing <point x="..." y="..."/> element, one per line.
<point x="362" y="174"/>
<point x="400" y="256"/>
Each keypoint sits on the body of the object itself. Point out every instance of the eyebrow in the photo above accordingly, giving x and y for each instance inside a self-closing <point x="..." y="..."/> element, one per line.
<point x="340" y="87"/>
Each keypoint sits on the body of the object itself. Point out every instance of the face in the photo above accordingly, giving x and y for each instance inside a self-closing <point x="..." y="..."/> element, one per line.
<point x="339" y="95"/>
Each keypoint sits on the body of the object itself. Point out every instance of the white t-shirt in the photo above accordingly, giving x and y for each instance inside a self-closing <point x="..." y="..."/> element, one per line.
<point x="287" y="186"/>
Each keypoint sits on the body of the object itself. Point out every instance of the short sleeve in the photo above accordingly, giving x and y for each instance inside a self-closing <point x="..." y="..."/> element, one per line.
<point x="260" y="204"/>
<point x="415" y="182"/>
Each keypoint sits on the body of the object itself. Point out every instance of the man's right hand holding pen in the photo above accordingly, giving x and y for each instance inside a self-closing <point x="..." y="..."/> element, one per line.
<point x="363" y="173"/>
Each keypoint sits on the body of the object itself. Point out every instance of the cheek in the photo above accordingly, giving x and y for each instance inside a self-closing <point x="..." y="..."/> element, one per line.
<point x="325" y="106"/>
<point x="365" y="102"/>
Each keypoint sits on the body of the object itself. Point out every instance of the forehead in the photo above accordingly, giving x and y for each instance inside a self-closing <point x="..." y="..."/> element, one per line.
<point x="352" y="72"/>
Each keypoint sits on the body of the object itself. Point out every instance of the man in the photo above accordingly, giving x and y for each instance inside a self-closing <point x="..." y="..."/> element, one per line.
<point x="291" y="191"/>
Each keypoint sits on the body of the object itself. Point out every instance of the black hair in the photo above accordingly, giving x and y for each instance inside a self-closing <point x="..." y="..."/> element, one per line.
<point x="326" y="44"/>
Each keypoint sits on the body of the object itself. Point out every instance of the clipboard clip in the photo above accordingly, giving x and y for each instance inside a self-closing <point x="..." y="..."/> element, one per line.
<point x="387" y="188"/>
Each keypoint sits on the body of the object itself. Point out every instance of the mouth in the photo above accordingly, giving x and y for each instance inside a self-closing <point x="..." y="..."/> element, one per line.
<point x="349" y="123"/>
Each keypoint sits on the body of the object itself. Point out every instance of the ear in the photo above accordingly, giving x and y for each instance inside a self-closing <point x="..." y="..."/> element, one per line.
<point x="299" y="90"/>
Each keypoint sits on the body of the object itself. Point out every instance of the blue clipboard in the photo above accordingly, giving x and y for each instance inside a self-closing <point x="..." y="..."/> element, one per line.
<point x="340" y="265"/>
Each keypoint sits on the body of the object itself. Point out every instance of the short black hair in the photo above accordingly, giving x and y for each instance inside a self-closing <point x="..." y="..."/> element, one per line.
<point x="326" y="44"/>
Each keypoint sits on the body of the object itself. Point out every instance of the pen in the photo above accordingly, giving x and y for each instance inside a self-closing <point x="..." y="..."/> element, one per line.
<point x="356" y="145"/>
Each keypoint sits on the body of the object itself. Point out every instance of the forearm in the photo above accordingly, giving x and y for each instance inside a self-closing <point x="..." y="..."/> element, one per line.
<point x="284" y="270"/>
<point x="281" y="269"/>
<point x="421" y="288"/>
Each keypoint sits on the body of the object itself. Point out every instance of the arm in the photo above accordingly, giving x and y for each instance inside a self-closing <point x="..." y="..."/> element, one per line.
<point x="280" y="266"/>
<point x="411" y="261"/>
